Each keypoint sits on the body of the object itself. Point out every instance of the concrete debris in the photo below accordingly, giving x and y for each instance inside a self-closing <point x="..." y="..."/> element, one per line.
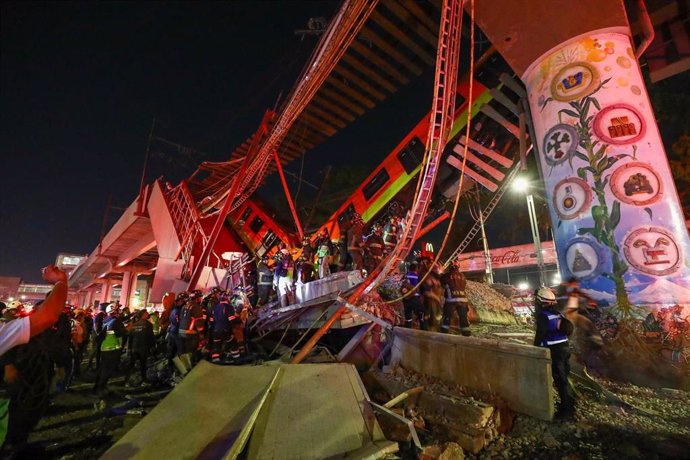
<point x="452" y="452"/>
<point x="482" y="295"/>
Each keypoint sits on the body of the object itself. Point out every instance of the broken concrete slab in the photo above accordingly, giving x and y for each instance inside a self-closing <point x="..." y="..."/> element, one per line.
<point x="519" y="374"/>
<point x="311" y="411"/>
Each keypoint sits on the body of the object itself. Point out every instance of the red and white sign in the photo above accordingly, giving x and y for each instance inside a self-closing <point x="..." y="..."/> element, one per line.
<point x="523" y="255"/>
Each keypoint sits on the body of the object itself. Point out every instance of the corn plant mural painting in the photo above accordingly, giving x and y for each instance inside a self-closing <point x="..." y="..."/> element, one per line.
<point x="618" y="225"/>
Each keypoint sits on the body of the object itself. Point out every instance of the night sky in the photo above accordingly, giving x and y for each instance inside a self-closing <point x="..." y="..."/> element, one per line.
<point x="81" y="83"/>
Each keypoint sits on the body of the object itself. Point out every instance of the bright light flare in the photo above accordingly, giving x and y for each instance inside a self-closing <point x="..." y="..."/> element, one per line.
<point x="523" y="286"/>
<point x="520" y="184"/>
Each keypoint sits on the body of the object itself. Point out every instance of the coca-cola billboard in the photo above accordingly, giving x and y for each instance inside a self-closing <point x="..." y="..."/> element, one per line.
<point x="523" y="255"/>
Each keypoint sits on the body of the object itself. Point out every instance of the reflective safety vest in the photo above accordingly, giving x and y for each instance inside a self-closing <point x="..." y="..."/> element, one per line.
<point x="553" y="335"/>
<point x="111" y="341"/>
<point x="413" y="279"/>
<point x="265" y="276"/>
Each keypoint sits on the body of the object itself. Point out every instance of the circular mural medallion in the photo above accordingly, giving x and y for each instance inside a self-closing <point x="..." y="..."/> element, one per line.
<point x="652" y="250"/>
<point x="619" y="124"/>
<point x="584" y="258"/>
<point x="571" y="198"/>
<point x="636" y="183"/>
<point x="574" y="81"/>
<point x="560" y="143"/>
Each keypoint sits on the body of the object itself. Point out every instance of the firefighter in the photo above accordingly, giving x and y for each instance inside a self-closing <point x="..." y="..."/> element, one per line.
<point x="324" y="254"/>
<point x="454" y="284"/>
<point x="191" y="328"/>
<point x="220" y="325"/>
<point x="238" y="320"/>
<point x="306" y="263"/>
<point x="97" y="336"/>
<point x="432" y="293"/>
<point x="354" y="242"/>
<point x="141" y="344"/>
<point x="391" y="234"/>
<point x="112" y="334"/>
<point x="552" y="333"/>
<point x="374" y="248"/>
<point x="412" y="303"/>
<point x="263" y="282"/>
<point x="283" y="277"/>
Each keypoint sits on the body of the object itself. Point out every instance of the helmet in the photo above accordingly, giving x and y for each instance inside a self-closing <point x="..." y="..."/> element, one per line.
<point x="215" y="290"/>
<point x="546" y="296"/>
<point x="16" y="304"/>
<point x="110" y="308"/>
<point x="378" y="229"/>
<point x="184" y="296"/>
<point x="195" y="294"/>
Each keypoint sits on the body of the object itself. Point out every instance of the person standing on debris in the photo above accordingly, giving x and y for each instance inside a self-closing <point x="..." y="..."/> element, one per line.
<point x="391" y="234"/>
<point x="374" y="248"/>
<point x="344" y="223"/>
<point x="191" y="329"/>
<point x="412" y="304"/>
<point x="111" y="348"/>
<point x="306" y="266"/>
<point x="264" y="281"/>
<point x="354" y="242"/>
<point x="454" y="284"/>
<point x="141" y="344"/>
<point x="552" y="332"/>
<point x="238" y="321"/>
<point x="324" y="253"/>
<point x="283" y="277"/>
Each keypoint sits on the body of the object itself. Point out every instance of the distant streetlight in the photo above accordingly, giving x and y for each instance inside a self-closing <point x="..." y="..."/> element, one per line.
<point x="523" y="286"/>
<point x="522" y="185"/>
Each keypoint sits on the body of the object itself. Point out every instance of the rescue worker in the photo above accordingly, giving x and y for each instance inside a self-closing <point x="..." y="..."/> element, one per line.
<point x="324" y="253"/>
<point x="552" y="332"/>
<point x="354" y="242"/>
<point x="97" y="335"/>
<point x="344" y="223"/>
<point x="191" y="329"/>
<point x="111" y="348"/>
<point x="264" y="281"/>
<point x="412" y="304"/>
<point x="432" y="293"/>
<point x="141" y="343"/>
<point x="306" y="263"/>
<point x="391" y="234"/>
<point x="221" y="327"/>
<point x="454" y="284"/>
<point x="283" y="277"/>
<point x="374" y="248"/>
<point x="238" y="320"/>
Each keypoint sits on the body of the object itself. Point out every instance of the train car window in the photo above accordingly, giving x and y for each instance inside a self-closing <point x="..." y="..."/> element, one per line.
<point x="245" y="215"/>
<point x="459" y="100"/>
<point x="256" y="224"/>
<point x="375" y="184"/>
<point x="411" y="155"/>
<point x="268" y="238"/>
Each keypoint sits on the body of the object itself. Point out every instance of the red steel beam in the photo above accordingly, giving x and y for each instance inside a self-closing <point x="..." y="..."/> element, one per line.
<point x="279" y="167"/>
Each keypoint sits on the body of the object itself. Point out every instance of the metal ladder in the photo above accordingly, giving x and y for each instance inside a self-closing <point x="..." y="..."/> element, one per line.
<point x="485" y="215"/>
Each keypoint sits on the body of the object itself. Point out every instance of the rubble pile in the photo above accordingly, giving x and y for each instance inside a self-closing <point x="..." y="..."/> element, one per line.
<point x="482" y="295"/>
<point x="447" y="412"/>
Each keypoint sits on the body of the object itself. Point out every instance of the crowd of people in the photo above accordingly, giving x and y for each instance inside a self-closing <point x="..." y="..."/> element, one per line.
<point x="44" y="349"/>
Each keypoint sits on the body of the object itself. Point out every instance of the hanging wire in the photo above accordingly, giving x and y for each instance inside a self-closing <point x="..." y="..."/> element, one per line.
<point x="470" y="101"/>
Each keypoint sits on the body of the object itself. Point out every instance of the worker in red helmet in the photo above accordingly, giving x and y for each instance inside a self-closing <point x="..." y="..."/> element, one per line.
<point x="454" y="284"/>
<point x="391" y="234"/>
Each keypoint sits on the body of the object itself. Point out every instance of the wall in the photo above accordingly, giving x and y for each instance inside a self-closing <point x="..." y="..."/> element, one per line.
<point x="520" y="374"/>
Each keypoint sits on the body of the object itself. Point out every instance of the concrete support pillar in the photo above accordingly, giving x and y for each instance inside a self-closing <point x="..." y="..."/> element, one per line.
<point x="618" y="222"/>
<point x="129" y="285"/>
<point x="106" y="290"/>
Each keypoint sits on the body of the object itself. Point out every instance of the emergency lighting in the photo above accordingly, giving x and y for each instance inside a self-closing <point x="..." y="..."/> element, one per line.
<point x="523" y="286"/>
<point x="556" y="279"/>
<point x="23" y="297"/>
<point x="520" y="184"/>
<point x="11" y="299"/>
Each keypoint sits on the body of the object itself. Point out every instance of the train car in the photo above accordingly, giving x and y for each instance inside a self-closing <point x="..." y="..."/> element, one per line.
<point x="259" y="231"/>
<point x="397" y="171"/>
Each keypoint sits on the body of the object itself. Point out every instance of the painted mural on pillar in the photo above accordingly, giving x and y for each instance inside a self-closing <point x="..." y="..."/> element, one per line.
<point x="613" y="203"/>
